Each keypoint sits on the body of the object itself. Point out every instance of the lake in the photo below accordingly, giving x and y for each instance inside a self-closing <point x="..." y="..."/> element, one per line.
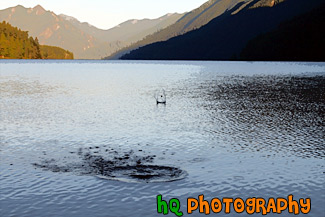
<point x="86" y="138"/>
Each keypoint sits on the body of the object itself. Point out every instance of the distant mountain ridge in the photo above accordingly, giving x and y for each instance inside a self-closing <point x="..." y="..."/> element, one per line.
<point x="224" y="37"/>
<point x="83" y="39"/>
<point x="190" y="21"/>
<point x="128" y="31"/>
<point x="217" y="30"/>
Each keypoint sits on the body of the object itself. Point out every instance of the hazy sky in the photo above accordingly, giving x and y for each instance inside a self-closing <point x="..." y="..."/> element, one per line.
<point x="108" y="13"/>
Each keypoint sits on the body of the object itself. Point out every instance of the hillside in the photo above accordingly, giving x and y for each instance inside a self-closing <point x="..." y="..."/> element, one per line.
<point x="300" y="39"/>
<point x="51" y="52"/>
<point x="16" y="44"/>
<point x="225" y="36"/>
<point x="190" y="21"/>
<point x="83" y="39"/>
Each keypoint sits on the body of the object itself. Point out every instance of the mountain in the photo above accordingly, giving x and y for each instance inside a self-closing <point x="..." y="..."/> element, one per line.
<point x="16" y="44"/>
<point x="299" y="39"/>
<point x="83" y="39"/>
<point x="225" y="37"/>
<point x="189" y="21"/>
<point x="49" y="28"/>
<point x="129" y="31"/>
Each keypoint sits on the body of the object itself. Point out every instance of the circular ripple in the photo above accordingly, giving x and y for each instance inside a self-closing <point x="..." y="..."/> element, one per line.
<point x="144" y="173"/>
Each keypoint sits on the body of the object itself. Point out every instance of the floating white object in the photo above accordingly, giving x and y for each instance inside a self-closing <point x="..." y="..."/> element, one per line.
<point x="160" y="96"/>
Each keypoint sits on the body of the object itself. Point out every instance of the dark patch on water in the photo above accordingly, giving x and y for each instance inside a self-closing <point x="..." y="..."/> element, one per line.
<point x="282" y="114"/>
<point x="127" y="167"/>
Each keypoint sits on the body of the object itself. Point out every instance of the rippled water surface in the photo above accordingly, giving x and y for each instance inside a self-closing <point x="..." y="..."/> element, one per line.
<point x="86" y="138"/>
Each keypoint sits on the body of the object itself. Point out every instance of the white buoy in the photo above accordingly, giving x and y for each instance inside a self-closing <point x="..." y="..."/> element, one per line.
<point x="160" y="96"/>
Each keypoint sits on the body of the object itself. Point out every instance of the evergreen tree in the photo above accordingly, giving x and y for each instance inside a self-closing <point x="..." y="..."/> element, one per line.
<point x="16" y="44"/>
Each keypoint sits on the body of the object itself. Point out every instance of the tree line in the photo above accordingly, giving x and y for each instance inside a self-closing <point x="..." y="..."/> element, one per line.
<point x="17" y="44"/>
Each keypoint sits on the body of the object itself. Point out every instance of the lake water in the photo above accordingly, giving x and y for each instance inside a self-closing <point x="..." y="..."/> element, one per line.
<point x="228" y="129"/>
